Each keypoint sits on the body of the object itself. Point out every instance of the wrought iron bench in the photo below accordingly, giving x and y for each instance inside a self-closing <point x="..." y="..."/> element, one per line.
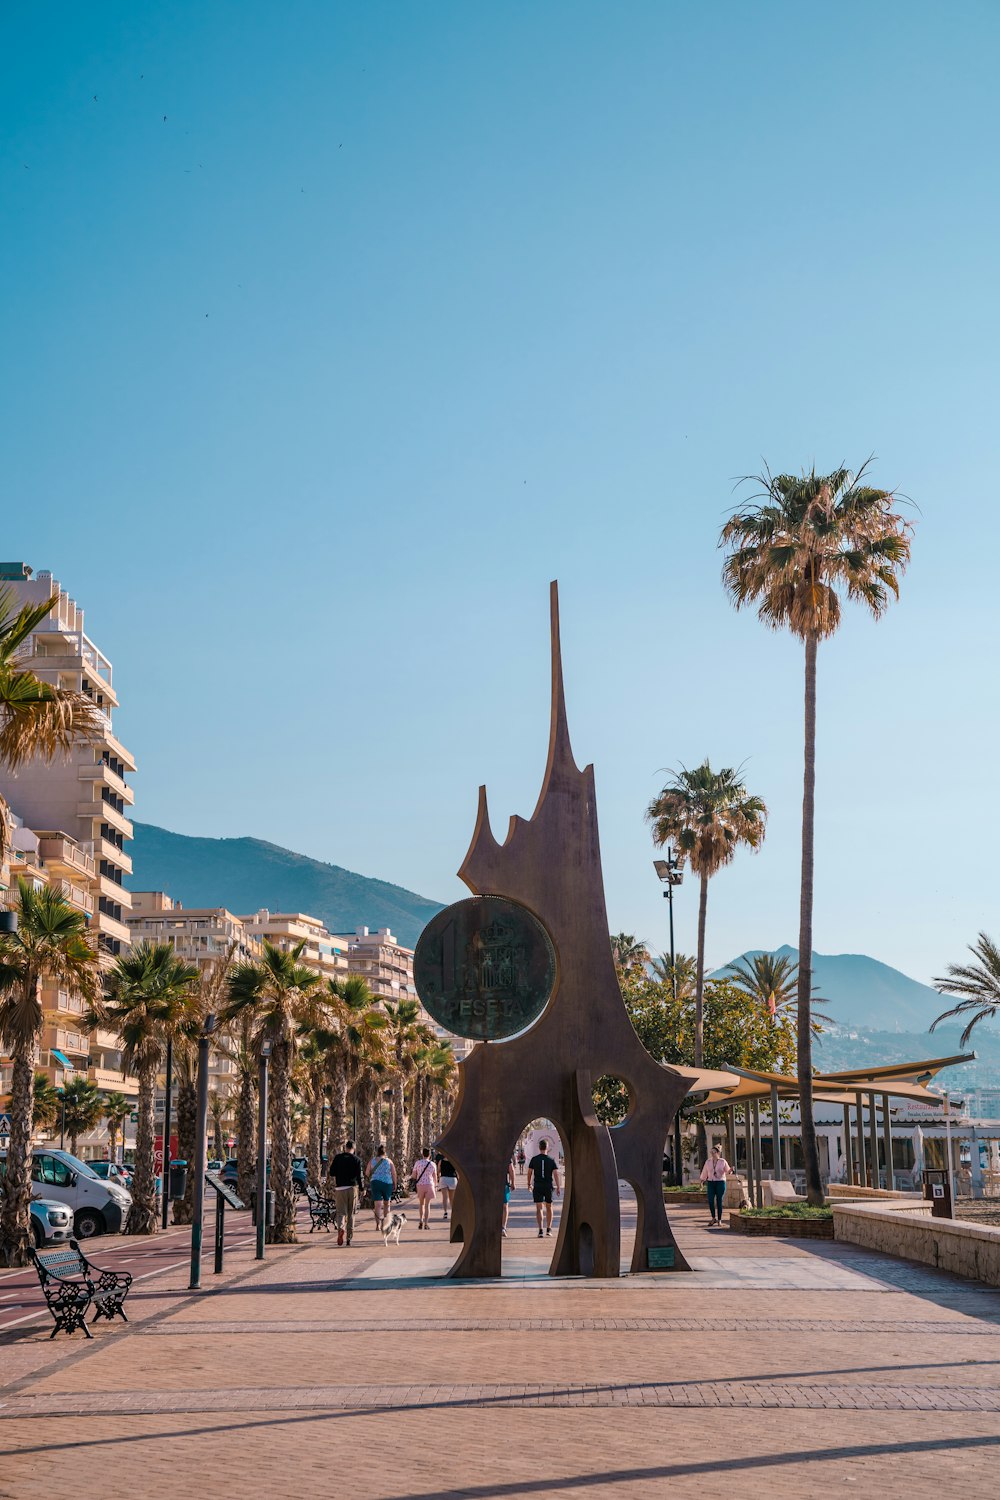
<point x="71" y="1284"/>
<point x="321" y="1210"/>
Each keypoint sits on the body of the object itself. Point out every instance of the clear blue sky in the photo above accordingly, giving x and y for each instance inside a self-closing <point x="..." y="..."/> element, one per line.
<point x="403" y="310"/>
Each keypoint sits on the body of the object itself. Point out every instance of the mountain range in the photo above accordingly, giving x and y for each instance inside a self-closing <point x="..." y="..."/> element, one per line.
<point x="246" y="874"/>
<point x="860" y="991"/>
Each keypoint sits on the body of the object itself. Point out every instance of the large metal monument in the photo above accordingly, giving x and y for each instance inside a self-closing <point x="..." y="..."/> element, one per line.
<point x="488" y="967"/>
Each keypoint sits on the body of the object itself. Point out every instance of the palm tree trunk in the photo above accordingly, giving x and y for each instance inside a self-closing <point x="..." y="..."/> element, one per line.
<point x="699" y="993"/>
<point x="314" y="1150"/>
<point x="413" y="1144"/>
<point x="73" y="1139"/>
<point x="112" y="1140"/>
<point x="15" y="1216"/>
<point x="338" y="1109"/>
<point x="398" y="1121"/>
<point x="279" y="1114"/>
<point x="187" y="1132"/>
<point x="142" y="1215"/>
<point x="246" y="1131"/>
<point x="810" y="1150"/>
<point x="220" y="1144"/>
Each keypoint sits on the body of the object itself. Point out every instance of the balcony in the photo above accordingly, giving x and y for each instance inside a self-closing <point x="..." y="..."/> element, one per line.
<point x="104" y="776"/>
<point x="97" y="808"/>
<point x="77" y="897"/>
<point x="113" y="855"/>
<point x="110" y="927"/>
<point x="63" y="855"/>
<point x="108" y="1079"/>
<point x="114" y="892"/>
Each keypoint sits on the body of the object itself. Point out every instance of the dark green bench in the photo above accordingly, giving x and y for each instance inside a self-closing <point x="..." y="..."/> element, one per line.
<point x="72" y="1284"/>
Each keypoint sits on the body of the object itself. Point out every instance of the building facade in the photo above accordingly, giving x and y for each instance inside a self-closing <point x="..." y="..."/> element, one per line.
<point x="324" y="952"/>
<point x="388" y="969"/>
<point x="72" y="827"/>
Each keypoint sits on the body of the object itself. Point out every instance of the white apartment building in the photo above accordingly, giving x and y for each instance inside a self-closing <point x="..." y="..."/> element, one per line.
<point x="72" y="826"/>
<point x="200" y="935"/>
<point x="324" y="952"/>
<point x="388" y="969"/>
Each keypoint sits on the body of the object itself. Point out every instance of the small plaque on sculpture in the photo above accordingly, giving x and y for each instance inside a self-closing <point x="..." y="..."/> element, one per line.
<point x="485" y="968"/>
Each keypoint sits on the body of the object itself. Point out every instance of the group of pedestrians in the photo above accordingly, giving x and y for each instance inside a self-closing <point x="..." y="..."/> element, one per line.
<point x="429" y="1172"/>
<point x="347" y="1175"/>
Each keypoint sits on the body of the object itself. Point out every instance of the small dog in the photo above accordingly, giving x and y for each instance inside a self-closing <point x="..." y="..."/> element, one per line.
<point x="392" y="1227"/>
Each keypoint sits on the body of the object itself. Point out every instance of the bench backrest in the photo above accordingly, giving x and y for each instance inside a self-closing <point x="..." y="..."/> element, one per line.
<point x="66" y="1261"/>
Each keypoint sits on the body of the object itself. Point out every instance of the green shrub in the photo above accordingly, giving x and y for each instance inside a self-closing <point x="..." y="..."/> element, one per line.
<point x="689" y="1187"/>
<point x="788" y="1211"/>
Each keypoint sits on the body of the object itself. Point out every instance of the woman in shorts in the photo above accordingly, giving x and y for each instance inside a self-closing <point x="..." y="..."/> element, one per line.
<point x="424" y="1179"/>
<point x="448" y="1178"/>
<point x="382" y="1182"/>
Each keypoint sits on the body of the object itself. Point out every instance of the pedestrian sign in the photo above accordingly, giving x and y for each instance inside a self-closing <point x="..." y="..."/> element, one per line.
<point x="4" y="1124"/>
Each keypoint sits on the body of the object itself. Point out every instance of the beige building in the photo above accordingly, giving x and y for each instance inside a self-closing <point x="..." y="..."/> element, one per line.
<point x="323" y="951"/>
<point x="84" y="797"/>
<point x="73" y="826"/>
<point x="201" y="935"/>
<point x="388" y="969"/>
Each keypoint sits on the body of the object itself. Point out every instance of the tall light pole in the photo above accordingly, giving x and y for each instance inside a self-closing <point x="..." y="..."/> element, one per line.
<point x="200" y="1153"/>
<point x="670" y="874"/>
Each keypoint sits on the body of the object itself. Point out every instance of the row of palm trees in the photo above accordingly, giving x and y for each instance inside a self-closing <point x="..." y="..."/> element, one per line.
<point x="334" y="1051"/>
<point x="800" y="547"/>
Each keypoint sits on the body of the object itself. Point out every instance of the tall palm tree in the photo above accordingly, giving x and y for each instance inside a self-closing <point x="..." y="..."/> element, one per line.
<point x="313" y="1082"/>
<point x="45" y="1102"/>
<point x="207" y="997"/>
<point x="357" y="1028"/>
<point x="630" y="954"/>
<point x="82" y="1108"/>
<point x="708" y="815"/>
<point x="279" y="994"/>
<point x="150" y="996"/>
<point x="50" y="945"/>
<point x="802" y="543"/>
<point x="978" y="984"/>
<point x="37" y="719"/>
<point x="219" y="1103"/>
<point x="681" y="975"/>
<point x="400" y="1036"/>
<point x="116" y="1109"/>
<point x="773" y="982"/>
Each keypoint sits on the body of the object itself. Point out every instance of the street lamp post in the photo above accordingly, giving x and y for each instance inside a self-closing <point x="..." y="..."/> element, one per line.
<point x="200" y="1152"/>
<point x="670" y="873"/>
<point x="265" y="1053"/>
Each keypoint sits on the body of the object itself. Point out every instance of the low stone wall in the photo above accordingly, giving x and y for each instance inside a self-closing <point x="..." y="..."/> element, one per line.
<point x="906" y="1229"/>
<point x="804" y="1229"/>
<point x="844" y="1190"/>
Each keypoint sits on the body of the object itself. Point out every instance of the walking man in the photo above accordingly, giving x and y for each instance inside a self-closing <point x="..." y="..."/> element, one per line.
<point x="543" y="1180"/>
<point x="345" y="1174"/>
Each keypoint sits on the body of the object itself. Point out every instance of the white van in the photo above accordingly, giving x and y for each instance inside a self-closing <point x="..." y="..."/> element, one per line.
<point x="98" y="1207"/>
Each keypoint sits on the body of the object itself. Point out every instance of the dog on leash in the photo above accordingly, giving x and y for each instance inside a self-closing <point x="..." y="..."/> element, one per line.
<point x="392" y="1227"/>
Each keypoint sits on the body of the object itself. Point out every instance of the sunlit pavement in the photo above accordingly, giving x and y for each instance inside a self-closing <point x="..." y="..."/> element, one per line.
<point x="775" y="1368"/>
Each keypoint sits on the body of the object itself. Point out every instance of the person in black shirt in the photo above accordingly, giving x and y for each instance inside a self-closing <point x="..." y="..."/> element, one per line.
<point x="345" y="1174"/>
<point x="543" y="1180"/>
<point x="448" y="1178"/>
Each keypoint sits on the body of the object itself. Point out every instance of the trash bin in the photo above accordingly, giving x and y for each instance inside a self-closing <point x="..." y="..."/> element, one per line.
<point x="178" y="1180"/>
<point x="938" y="1189"/>
<point x="268" y="1207"/>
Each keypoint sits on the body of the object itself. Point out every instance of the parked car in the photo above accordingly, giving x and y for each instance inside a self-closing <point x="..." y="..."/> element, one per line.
<point x="215" y="1165"/>
<point x="51" y="1222"/>
<point x="299" y="1176"/>
<point x="98" y="1207"/>
<point x="112" y="1171"/>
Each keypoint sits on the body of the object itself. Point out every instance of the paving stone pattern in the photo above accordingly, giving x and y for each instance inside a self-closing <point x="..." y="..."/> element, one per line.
<point x="775" y="1370"/>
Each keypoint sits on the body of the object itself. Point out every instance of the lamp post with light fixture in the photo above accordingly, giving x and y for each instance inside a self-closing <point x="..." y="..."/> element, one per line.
<point x="670" y="873"/>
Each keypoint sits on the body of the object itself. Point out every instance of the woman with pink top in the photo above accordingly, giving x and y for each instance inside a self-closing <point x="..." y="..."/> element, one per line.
<point x="713" y="1175"/>
<point x="424" y="1179"/>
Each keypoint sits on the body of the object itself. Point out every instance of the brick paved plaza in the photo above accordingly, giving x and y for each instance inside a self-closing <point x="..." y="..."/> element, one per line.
<point x="776" y="1368"/>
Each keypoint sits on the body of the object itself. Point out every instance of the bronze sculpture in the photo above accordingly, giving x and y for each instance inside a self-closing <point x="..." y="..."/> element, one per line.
<point x="551" y="864"/>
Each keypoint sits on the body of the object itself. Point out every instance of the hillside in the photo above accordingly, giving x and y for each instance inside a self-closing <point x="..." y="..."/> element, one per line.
<point x="859" y="991"/>
<point x="246" y="874"/>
